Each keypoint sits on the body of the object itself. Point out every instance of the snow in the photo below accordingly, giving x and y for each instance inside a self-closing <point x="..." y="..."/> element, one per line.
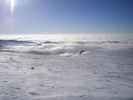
<point x="101" y="70"/>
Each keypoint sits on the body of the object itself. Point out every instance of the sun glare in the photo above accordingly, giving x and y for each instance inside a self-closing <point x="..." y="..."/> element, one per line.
<point x="12" y="6"/>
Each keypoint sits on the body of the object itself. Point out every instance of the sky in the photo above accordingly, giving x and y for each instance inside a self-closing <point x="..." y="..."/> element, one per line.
<point x="66" y="16"/>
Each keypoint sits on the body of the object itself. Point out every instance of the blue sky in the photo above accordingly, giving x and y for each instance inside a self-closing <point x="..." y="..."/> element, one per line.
<point x="68" y="16"/>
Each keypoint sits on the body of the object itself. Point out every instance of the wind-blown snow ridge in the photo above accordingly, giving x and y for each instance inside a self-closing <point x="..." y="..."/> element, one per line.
<point x="13" y="42"/>
<point x="58" y="48"/>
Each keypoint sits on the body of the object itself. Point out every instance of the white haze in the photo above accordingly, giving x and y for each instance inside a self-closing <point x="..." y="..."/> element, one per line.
<point x="69" y="37"/>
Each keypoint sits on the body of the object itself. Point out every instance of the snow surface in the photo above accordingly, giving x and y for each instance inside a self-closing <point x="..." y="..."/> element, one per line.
<point x="81" y="70"/>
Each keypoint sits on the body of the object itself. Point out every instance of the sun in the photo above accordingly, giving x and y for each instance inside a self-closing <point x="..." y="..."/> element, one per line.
<point x="12" y="5"/>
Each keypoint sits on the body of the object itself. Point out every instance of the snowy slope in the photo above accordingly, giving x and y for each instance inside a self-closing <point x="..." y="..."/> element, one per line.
<point x="60" y="70"/>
